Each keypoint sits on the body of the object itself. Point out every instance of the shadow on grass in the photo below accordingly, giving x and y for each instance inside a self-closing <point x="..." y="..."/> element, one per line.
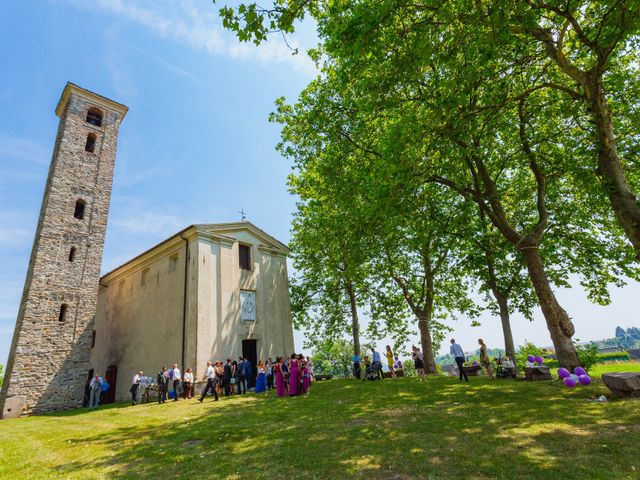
<point x="392" y="429"/>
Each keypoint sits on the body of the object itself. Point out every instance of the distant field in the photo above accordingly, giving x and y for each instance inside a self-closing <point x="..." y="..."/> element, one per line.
<point x="392" y="430"/>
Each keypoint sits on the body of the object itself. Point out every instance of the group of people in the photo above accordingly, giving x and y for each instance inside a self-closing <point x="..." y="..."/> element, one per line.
<point x="293" y="376"/>
<point x="288" y="376"/>
<point x="458" y="354"/>
<point x="373" y="364"/>
<point x="235" y="377"/>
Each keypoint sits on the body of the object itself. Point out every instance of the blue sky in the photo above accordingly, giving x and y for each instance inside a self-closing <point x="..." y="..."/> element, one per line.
<point x="195" y="146"/>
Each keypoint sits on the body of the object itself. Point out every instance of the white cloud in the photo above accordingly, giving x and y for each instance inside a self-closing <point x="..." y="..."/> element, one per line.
<point x="198" y="26"/>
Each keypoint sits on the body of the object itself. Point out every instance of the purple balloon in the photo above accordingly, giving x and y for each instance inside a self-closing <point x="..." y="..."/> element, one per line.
<point x="569" y="382"/>
<point x="563" y="373"/>
<point x="580" y="371"/>
<point x="531" y="358"/>
<point x="584" y="379"/>
<point x="539" y="360"/>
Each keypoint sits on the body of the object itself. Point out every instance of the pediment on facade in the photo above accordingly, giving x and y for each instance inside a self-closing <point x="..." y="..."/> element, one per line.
<point x="234" y="231"/>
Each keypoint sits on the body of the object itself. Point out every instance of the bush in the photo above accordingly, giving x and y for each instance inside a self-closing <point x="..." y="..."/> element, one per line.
<point x="613" y="356"/>
<point x="524" y="351"/>
<point x="600" y="358"/>
<point x="588" y="355"/>
<point x="409" y="368"/>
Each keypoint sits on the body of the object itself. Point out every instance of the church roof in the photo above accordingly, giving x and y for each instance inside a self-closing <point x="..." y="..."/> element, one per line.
<point x="219" y="230"/>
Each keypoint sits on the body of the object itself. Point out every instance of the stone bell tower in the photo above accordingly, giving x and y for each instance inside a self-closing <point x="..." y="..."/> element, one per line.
<point x="49" y="358"/>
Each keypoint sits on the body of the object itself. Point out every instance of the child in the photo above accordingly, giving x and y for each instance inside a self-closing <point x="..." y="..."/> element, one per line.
<point x="368" y="369"/>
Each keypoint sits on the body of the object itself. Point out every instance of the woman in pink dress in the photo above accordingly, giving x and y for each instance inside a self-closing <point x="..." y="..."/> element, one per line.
<point x="306" y="377"/>
<point x="280" y="388"/>
<point x="294" y="375"/>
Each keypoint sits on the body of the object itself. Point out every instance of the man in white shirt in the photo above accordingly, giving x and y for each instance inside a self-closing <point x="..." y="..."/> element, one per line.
<point x="458" y="354"/>
<point x="187" y="384"/>
<point x="176" y="381"/>
<point x="210" y="376"/>
<point x="95" y="388"/>
<point x="135" y="384"/>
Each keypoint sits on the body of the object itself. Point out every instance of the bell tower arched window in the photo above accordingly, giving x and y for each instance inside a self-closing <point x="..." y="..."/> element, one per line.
<point x="94" y="117"/>
<point x="90" y="145"/>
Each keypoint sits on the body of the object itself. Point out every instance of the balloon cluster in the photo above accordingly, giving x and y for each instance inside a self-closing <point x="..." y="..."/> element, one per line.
<point x="579" y="375"/>
<point x="537" y="359"/>
<point x="398" y="363"/>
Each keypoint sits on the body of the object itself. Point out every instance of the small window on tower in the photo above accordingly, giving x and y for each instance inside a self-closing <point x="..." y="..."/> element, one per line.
<point x="93" y="339"/>
<point x="94" y="117"/>
<point x="63" y="313"/>
<point x="79" y="211"/>
<point x="244" y="255"/>
<point x="143" y="278"/>
<point x="72" y="254"/>
<point x="91" y="143"/>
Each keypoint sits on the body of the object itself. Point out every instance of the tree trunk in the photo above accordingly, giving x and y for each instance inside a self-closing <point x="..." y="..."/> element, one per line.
<point x="427" y="344"/>
<point x="509" y="345"/>
<point x="559" y="324"/>
<point x="623" y="200"/>
<point x="355" y="324"/>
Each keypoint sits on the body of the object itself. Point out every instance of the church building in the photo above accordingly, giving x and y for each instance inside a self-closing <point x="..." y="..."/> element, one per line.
<point x="208" y="292"/>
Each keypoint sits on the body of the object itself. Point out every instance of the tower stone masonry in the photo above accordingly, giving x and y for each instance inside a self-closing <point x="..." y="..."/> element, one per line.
<point x="49" y="358"/>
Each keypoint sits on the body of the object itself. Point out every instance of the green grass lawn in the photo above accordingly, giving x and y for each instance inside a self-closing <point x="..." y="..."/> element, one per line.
<point x="393" y="430"/>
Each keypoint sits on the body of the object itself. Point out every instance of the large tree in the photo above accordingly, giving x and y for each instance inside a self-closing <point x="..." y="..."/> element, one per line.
<point x="468" y="106"/>
<point x="586" y="49"/>
<point x="501" y="274"/>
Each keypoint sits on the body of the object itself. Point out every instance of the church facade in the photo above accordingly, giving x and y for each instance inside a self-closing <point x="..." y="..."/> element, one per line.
<point x="208" y="292"/>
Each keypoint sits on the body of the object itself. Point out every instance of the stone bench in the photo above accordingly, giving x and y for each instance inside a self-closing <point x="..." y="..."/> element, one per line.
<point x="623" y="384"/>
<point x="323" y="377"/>
<point x="537" y="373"/>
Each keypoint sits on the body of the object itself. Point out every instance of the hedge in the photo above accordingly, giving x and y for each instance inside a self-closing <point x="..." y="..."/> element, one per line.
<point x="601" y="358"/>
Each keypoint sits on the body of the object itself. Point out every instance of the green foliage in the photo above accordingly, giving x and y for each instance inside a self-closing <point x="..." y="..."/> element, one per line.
<point x="600" y="358"/>
<point x="409" y="368"/>
<point x="334" y="358"/>
<point x="1" y="374"/>
<point x="524" y="351"/>
<point x="613" y="356"/>
<point x="588" y="355"/>
<point x="467" y="152"/>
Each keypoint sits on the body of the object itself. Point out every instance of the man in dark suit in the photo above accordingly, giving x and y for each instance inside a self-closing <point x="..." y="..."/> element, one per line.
<point x="163" y="384"/>
<point x="241" y="375"/>
<point x="226" y="377"/>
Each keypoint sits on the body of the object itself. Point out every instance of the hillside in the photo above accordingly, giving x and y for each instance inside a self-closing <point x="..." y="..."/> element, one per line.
<point x="398" y="430"/>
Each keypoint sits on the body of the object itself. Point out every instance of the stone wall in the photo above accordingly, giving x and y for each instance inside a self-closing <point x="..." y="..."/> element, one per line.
<point x="49" y="359"/>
